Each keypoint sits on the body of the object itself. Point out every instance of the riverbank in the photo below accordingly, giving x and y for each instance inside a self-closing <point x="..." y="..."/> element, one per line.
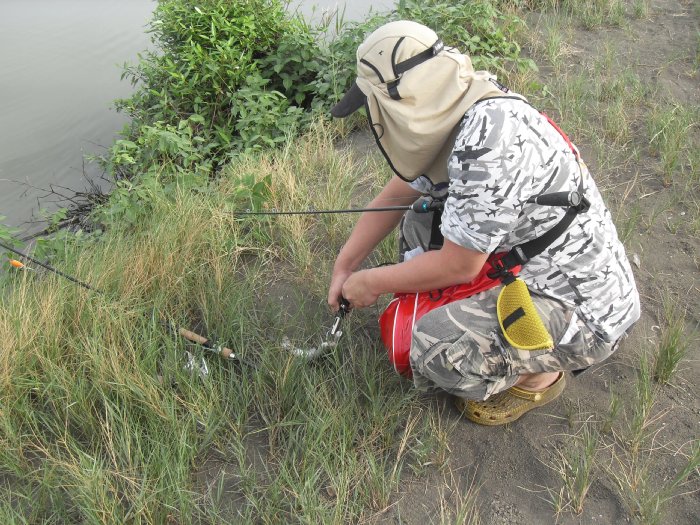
<point x="99" y="421"/>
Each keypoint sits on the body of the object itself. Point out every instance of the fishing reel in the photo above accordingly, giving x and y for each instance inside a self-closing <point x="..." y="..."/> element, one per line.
<point x="428" y="203"/>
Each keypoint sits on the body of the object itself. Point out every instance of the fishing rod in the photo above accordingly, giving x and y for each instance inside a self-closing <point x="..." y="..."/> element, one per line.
<point x="48" y="267"/>
<point x="424" y="204"/>
<point x="330" y="341"/>
<point x="191" y="336"/>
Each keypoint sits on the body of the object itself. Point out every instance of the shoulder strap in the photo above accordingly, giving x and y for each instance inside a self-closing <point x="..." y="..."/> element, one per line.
<point x="576" y="202"/>
<point x="522" y="253"/>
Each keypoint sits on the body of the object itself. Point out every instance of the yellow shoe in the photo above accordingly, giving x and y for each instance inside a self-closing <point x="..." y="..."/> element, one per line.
<point x="508" y="405"/>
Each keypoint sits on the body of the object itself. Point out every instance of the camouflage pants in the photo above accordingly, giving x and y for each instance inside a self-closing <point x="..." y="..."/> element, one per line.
<point x="459" y="347"/>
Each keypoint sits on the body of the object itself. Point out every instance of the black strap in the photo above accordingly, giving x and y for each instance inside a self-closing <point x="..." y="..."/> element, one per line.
<point x="374" y="68"/>
<point x="436" y="238"/>
<point x="522" y="253"/>
<point x="518" y="313"/>
<point x="402" y="67"/>
<point x="421" y="57"/>
<point x="393" y="89"/>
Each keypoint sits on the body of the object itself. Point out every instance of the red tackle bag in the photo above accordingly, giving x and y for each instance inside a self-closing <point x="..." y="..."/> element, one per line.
<point x="397" y="321"/>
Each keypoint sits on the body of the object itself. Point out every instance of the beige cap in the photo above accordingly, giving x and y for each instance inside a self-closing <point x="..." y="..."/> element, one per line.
<point x="416" y="92"/>
<point x="386" y="54"/>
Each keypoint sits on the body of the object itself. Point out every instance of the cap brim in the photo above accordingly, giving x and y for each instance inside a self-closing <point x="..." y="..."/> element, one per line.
<point x="353" y="100"/>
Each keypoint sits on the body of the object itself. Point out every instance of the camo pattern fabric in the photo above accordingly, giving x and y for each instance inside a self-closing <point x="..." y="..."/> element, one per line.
<point x="507" y="152"/>
<point x="459" y="347"/>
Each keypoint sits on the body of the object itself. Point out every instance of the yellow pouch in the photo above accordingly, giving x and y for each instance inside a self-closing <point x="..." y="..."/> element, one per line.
<point x="520" y="323"/>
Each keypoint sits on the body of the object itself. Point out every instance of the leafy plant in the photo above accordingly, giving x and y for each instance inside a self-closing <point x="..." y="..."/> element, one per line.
<point x="235" y="77"/>
<point x="226" y="77"/>
<point x="477" y="28"/>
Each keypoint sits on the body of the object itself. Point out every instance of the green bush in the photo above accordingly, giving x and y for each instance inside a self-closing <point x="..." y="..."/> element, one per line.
<point x="478" y="28"/>
<point x="224" y="77"/>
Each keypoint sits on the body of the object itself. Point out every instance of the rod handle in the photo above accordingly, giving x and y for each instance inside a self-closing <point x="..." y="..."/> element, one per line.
<point x="226" y="353"/>
<point x="427" y="204"/>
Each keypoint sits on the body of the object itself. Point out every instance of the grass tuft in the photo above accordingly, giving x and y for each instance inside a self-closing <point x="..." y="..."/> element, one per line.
<point x="100" y="422"/>
<point x="674" y="343"/>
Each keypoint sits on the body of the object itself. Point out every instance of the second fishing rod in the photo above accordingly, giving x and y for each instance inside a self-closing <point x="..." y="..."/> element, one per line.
<point x="425" y="204"/>
<point x="191" y="336"/>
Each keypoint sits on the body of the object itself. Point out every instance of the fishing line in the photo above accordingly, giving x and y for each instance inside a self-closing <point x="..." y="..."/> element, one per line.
<point x="424" y="204"/>
<point x="312" y="211"/>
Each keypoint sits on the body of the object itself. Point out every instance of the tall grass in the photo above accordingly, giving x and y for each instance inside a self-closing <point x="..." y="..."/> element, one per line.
<point x="675" y="341"/>
<point x="100" y="423"/>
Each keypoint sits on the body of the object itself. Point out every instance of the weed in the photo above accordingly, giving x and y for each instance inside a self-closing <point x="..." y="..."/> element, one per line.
<point x="645" y="496"/>
<point x="641" y="8"/>
<point x="670" y="131"/>
<point x="674" y="342"/>
<point x="229" y="79"/>
<point x="612" y="414"/>
<point x="597" y="13"/>
<point x="554" y="41"/>
<point x="629" y="226"/>
<point x="615" y="123"/>
<point x="479" y="29"/>
<point x="7" y="235"/>
<point x="431" y="451"/>
<point x="93" y="386"/>
<point x="458" y="504"/>
<point x="574" y="464"/>
<point x="591" y="13"/>
<point x="645" y="393"/>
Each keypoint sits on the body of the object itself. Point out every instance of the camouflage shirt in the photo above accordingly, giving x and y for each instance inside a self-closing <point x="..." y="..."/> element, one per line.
<point x="507" y="152"/>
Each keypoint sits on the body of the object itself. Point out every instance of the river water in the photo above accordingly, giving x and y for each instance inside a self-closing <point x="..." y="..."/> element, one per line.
<point x="60" y="68"/>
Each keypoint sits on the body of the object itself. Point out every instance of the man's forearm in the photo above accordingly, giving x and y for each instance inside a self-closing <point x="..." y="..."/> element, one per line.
<point x="368" y="232"/>
<point x="372" y="227"/>
<point x="429" y="271"/>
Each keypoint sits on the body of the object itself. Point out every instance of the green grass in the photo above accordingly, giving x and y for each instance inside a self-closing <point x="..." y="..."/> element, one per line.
<point x="575" y="465"/>
<point x="675" y="341"/>
<point x="589" y="14"/>
<point x="643" y="150"/>
<point x="672" y="131"/>
<point x="101" y="424"/>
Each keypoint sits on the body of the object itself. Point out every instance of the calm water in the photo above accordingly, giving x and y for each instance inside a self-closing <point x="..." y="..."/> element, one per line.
<point x="59" y="73"/>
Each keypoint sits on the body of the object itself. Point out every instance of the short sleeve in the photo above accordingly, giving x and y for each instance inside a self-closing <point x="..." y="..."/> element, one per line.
<point x="488" y="182"/>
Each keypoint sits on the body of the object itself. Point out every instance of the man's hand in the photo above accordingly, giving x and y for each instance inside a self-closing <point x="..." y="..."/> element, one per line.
<point x="358" y="291"/>
<point x="335" y="290"/>
<point x="370" y="229"/>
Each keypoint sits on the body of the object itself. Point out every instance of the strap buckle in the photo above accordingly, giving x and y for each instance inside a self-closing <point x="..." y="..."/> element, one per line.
<point x="500" y="272"/>
<point x="502" y="267"/>
<point x="519" y="255"/>
<point x="583" y="206"/>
